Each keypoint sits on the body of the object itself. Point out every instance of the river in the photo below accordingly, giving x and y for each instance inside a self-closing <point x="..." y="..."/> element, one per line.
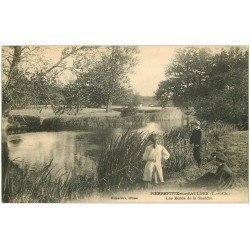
<point x="70" y="149"/>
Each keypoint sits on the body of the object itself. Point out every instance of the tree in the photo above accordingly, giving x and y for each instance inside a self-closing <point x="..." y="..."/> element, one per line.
<point x="164" y="93"/>
<point x="184" y="75"/>
<point x="80" y="94"/>
<point x="29" y="76"/>
<point x="101" y="75"/>
<point x="215" y="85"/>
<point x="108" y="79"/>
<point x="227" y="88"/>
<point x="130" y="98"/>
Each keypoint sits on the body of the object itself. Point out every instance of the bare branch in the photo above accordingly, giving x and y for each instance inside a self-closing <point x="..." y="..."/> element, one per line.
<point x="57" y="64"/>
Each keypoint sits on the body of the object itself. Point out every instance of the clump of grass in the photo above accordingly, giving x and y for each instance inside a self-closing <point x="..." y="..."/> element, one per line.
<point x="120" y="164"/>
<point x="213" y="131"/>
<point x="42" y="186"/>
<point x="180" y="155"/>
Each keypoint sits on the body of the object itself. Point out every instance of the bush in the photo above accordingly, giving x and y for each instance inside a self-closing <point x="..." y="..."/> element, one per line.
<point x="129" y="111"/>
<point x="24" y="122"/>
<point x="221" y="108"/>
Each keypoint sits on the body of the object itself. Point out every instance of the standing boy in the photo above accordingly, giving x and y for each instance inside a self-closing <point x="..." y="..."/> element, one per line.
<point x="195" y="139"/>
<point x="154" y="154"/>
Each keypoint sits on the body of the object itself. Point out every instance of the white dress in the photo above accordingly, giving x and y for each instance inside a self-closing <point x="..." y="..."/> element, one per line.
<point x="154" y="157"/>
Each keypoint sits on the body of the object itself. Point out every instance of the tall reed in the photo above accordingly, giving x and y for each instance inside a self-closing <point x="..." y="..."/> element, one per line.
<point x="120" y="164"/>
<point x="42" y="186"/>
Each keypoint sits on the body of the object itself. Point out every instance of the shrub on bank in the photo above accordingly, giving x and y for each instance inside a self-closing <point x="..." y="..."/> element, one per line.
<point x="129" y="111"/>
<point x="221" y="107"/>
<point x="58" y="123"/>
<point x="24" y="122"/>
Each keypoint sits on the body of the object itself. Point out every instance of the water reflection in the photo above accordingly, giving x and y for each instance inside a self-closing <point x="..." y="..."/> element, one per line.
<point x="70" y="149"/>
<point x="67" y="149"/>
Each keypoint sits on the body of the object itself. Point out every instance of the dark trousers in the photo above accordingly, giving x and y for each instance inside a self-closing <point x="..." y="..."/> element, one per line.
<point x="197" y="154"/>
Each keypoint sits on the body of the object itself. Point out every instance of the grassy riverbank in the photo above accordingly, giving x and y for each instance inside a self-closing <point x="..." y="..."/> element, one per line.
<point x="235" y="147"/>
<point x="234" y="144"/>
<point x="49" y="113"/>
<point x="120" y="166"/>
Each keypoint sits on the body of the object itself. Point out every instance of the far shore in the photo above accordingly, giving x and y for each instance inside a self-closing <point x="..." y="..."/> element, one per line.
<point x="40" y="118"/>
<point x="47" y="112"/>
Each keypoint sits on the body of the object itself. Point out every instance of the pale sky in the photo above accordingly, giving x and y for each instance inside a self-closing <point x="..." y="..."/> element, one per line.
<point x="153" y="61"/>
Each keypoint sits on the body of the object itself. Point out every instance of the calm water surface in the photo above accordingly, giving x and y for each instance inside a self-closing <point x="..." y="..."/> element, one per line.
<point x="69" y="149"/>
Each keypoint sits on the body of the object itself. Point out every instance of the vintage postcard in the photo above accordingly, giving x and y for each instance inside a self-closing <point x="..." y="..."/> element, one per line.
<point x="125" y="124"/>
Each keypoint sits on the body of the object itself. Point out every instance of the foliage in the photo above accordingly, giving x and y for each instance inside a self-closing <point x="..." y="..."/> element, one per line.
<point x="128" y="98"/>
<point x="164" y="92"/>
<point x="37" y="90"/>
<point x="80" y="95"/>
<point x="128" y="111"/>
<point x="210" y="83"/>
<point x="107" y="81"/>
<point x="228" y="89"/>
<point x="30" y="78"/>
<point x="187" y="71"/>
<point x="24" y="122"/>
<point x="96" y="76"/>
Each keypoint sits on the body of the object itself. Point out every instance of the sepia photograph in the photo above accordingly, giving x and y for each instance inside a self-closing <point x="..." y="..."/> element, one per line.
<point x="125" y="124"/>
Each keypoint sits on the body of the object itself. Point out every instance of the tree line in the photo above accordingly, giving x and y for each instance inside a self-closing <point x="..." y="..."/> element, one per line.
<point x="214" y="84"/>
<point x="99" y="77"/>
